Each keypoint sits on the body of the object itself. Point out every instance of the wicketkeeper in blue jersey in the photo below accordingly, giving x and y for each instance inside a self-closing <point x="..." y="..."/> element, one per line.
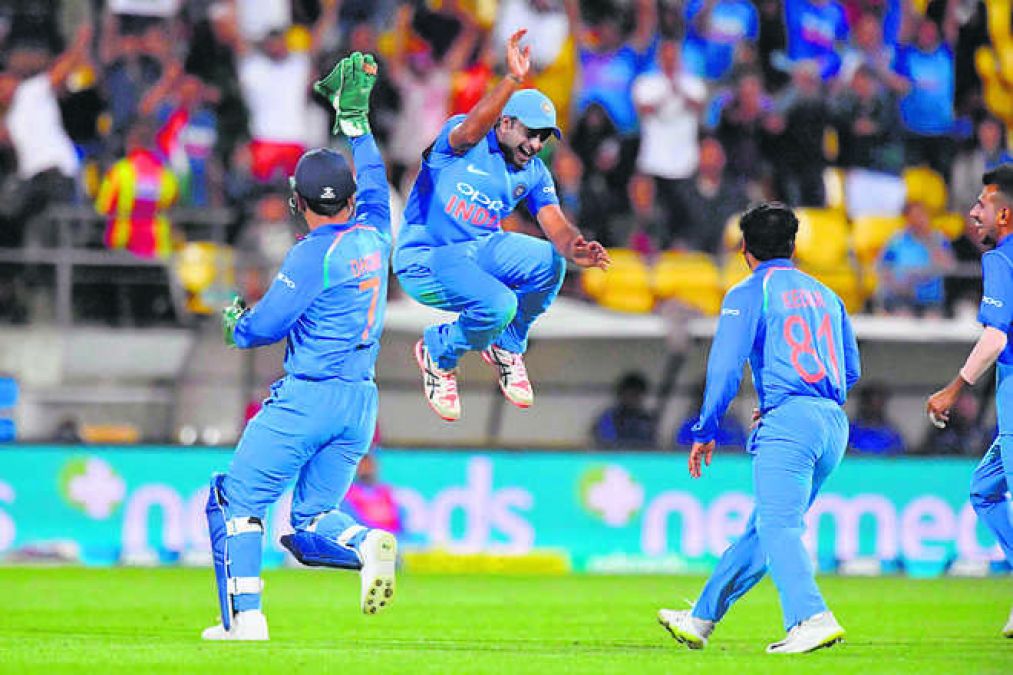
<point x="804" y="358"/>
<point x="992" y="214"/>
<point x="452" y="253"/>
<point x="328" y="300"/>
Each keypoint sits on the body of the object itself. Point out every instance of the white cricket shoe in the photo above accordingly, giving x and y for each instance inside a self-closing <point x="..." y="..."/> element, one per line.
<point x="249" y="625"/>
<point x="1008" y="628"/>
<point x="378" y="552"/>
<point x="513" y="376"/>
<point x="438" y="385"/>
<point x="686" y="628"/>
<point x="818" y="631"/>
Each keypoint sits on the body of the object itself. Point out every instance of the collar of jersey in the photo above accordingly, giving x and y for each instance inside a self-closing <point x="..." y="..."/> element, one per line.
<point x="331" y="228"/>
<point x="1006" y="241"/>
<point x="774" y="262"/>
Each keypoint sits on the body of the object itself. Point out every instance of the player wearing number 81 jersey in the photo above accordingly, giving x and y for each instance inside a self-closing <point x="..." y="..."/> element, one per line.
<point x="804" y="358"/>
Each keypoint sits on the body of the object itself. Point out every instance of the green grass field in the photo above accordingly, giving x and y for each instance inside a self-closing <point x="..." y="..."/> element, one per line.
<point x="141" y="621"/>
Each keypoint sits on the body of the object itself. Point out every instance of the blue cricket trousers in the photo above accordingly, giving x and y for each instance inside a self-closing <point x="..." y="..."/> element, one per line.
<point x="499" y="284"/>
<point x="316" y="430"/>
<point x="990" y="482"/>
<point x="797" y="445"/>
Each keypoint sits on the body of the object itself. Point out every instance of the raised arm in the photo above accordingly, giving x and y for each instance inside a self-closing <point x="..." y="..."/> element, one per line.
<point x="327" y="20"/>
<point x="76" y="54"/>
<point x="485" y="113"/>
<point x="646" y="13"/>
<point x="460" y="51"/>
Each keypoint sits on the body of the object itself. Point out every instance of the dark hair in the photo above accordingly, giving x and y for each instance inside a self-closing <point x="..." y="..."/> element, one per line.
<point x="769" y="230"/>
<point x="1002" y="177"/>
<point x="632" y="381"/>
<point x="322" y="209"/>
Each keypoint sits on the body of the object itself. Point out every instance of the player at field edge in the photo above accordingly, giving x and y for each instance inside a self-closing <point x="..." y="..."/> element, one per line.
<point x="329" y="300"/>
<point x="452" y="253"/>
<point x="993" y="477"/>
<point x="802" y="352"/>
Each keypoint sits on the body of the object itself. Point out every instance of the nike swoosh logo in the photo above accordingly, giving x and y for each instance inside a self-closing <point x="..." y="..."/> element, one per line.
<point x="473" y="169"/>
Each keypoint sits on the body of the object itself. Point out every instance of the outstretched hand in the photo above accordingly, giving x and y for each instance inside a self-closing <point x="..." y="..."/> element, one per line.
<point x="589" y="254"/>
<point x="518" y="59"/>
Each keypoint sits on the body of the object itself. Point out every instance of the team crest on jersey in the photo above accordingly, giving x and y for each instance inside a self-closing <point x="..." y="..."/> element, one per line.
<point x="519" y="190"/>
<point x="328" y="193"/>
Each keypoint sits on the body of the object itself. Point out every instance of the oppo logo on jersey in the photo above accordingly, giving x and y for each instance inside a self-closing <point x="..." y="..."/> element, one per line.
<point x="985" y="300"/>
<point x="365" y="265"/>
<point x="474" y="207"/>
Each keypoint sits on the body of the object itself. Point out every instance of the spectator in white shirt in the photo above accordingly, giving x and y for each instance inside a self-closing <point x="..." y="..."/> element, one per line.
<point x="47" y="164"/>
<point x="275" y="83"/>
<point x="669" y="102"/>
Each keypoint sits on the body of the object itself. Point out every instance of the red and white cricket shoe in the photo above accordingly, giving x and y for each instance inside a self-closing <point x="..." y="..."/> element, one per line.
<point x="439" y="386"/>
<point x="513" y="376"/>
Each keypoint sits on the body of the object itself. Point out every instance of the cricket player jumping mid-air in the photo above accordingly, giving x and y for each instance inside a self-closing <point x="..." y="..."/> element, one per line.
<point x="452" y="253"/>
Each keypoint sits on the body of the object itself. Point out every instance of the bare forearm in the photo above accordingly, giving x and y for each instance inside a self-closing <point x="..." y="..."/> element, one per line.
<point x="984" y="354"/>
<point x="484" y="115"/>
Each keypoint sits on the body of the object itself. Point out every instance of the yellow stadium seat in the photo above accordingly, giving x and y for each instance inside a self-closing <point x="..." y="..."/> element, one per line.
<point x="822" y="240"/>
<point x="691" y="278"/>
<point x="844" y="281"/>
<point x="593" y="280"/>
<point x="625" y="287"/>
<point x="870" y="233"/>
<point x="950" y="224"/>
<point x="926" y="186"/>
<point x="733" y="271"/>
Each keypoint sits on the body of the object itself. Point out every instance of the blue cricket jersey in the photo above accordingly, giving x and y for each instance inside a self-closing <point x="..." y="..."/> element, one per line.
<point x="330" y="295"/>
<point x="813" y="31"/>
<point x="928" y="106"/>
<point x="796" y="335"/>
<point x="460" y="197"/>
<point x="710" y="55"/>
<point x="997" y="311"/>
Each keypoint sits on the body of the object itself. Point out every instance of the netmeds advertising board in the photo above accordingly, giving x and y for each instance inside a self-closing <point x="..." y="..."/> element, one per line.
<point x="617" y="512"/>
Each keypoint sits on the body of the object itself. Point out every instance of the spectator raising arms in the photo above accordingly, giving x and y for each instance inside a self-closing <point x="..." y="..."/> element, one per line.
<point x="47" y="164"/>
<point x="715" y="30"/>
<point x="275" y="83"/>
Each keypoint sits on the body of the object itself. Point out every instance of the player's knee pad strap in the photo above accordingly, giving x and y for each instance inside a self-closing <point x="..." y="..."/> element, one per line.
<point x="223" y="526"/>
<point x="244" y="585"/>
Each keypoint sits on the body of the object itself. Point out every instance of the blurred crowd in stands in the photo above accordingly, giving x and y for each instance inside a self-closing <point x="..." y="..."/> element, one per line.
<point x="676" y="115"/>
<point x="629" y="423"/>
